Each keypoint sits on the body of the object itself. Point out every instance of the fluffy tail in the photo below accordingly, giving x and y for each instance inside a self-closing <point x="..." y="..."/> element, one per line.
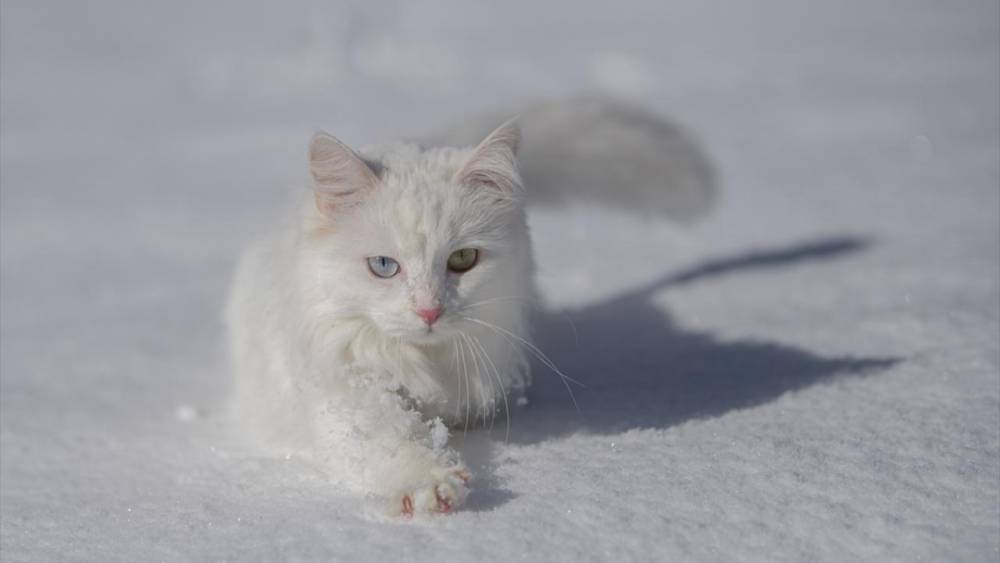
<point x="604" y="151"/>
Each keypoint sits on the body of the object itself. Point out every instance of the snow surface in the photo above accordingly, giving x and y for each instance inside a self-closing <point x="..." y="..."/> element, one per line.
<point x="811" y="374"/>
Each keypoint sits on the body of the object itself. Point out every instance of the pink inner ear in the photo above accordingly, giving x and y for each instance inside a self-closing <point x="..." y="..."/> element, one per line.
<point x="501" y="181"/>
<point x="493" y="162"/>
<point x="340" y="177"/>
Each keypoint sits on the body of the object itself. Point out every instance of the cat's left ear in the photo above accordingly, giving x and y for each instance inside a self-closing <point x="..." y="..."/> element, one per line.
<point x="493" y="164"/>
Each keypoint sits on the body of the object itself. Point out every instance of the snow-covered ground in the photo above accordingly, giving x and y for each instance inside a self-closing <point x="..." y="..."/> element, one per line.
<point x="810" y="374"/>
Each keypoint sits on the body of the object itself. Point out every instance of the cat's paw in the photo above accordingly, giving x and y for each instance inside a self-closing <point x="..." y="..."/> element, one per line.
<point x="444" y="494"/>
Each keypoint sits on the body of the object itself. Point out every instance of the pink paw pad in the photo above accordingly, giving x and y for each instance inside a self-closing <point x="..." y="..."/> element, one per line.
<point x="443" y="504"/>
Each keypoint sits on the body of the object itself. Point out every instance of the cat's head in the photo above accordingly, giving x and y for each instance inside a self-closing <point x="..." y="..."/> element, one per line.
<point x="416" y="241"/>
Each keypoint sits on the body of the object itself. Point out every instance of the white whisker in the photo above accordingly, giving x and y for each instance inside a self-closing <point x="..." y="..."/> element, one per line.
<point x="538" y="353"/>
<point x="458" y="376"/>
<point x="465" y="371"/>
<point x="494" y="300"/>
<point x="483" y="407"/>
<point x="491" y="406"/>
<point x="503" y="392"/>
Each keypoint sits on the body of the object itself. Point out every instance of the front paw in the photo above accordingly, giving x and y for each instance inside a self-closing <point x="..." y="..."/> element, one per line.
<point x="443" y="494"/>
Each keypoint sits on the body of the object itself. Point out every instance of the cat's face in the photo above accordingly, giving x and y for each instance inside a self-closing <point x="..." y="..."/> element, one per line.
<point x="433" y="240"/>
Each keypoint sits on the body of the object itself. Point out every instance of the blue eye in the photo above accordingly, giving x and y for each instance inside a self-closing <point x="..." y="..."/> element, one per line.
<point x="383" y="266"/>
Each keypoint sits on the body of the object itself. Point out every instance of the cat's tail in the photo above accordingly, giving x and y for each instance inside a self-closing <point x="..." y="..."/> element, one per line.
<point x="604" y="151"/>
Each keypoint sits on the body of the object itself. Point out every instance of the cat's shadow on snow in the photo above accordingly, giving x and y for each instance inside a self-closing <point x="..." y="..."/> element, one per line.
<point x="642" y="370"/>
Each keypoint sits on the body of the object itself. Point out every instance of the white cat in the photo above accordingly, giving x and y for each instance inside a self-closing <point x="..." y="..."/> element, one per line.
<point x="392" y="307"/>
<point x="394" y="304"/>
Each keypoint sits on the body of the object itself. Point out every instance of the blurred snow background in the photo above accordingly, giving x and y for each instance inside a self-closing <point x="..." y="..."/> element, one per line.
<point x="811" y="374"/>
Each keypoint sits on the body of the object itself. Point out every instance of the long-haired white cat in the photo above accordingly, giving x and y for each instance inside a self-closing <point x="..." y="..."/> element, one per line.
<point x="394" y="305"/>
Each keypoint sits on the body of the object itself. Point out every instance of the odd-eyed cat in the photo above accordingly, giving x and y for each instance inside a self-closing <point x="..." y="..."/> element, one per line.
<point x="394" y="303"/>
<point x="392" y="307"/>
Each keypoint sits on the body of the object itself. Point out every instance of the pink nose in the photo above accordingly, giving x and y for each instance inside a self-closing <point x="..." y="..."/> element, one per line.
<point x="430" y="315"/>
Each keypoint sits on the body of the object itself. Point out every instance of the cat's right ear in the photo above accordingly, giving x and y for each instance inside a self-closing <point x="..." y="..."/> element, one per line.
<point x="340" y="176"/>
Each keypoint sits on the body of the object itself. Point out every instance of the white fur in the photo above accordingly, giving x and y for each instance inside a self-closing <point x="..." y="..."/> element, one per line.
<point x="333" y="361"/>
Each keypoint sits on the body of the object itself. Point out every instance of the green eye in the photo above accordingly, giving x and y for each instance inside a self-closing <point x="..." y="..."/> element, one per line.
<point x="383" y="266"/>
<point x="463" y="260"/>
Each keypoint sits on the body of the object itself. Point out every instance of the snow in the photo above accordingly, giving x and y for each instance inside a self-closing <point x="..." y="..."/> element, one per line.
<point x="813" y="373"/>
